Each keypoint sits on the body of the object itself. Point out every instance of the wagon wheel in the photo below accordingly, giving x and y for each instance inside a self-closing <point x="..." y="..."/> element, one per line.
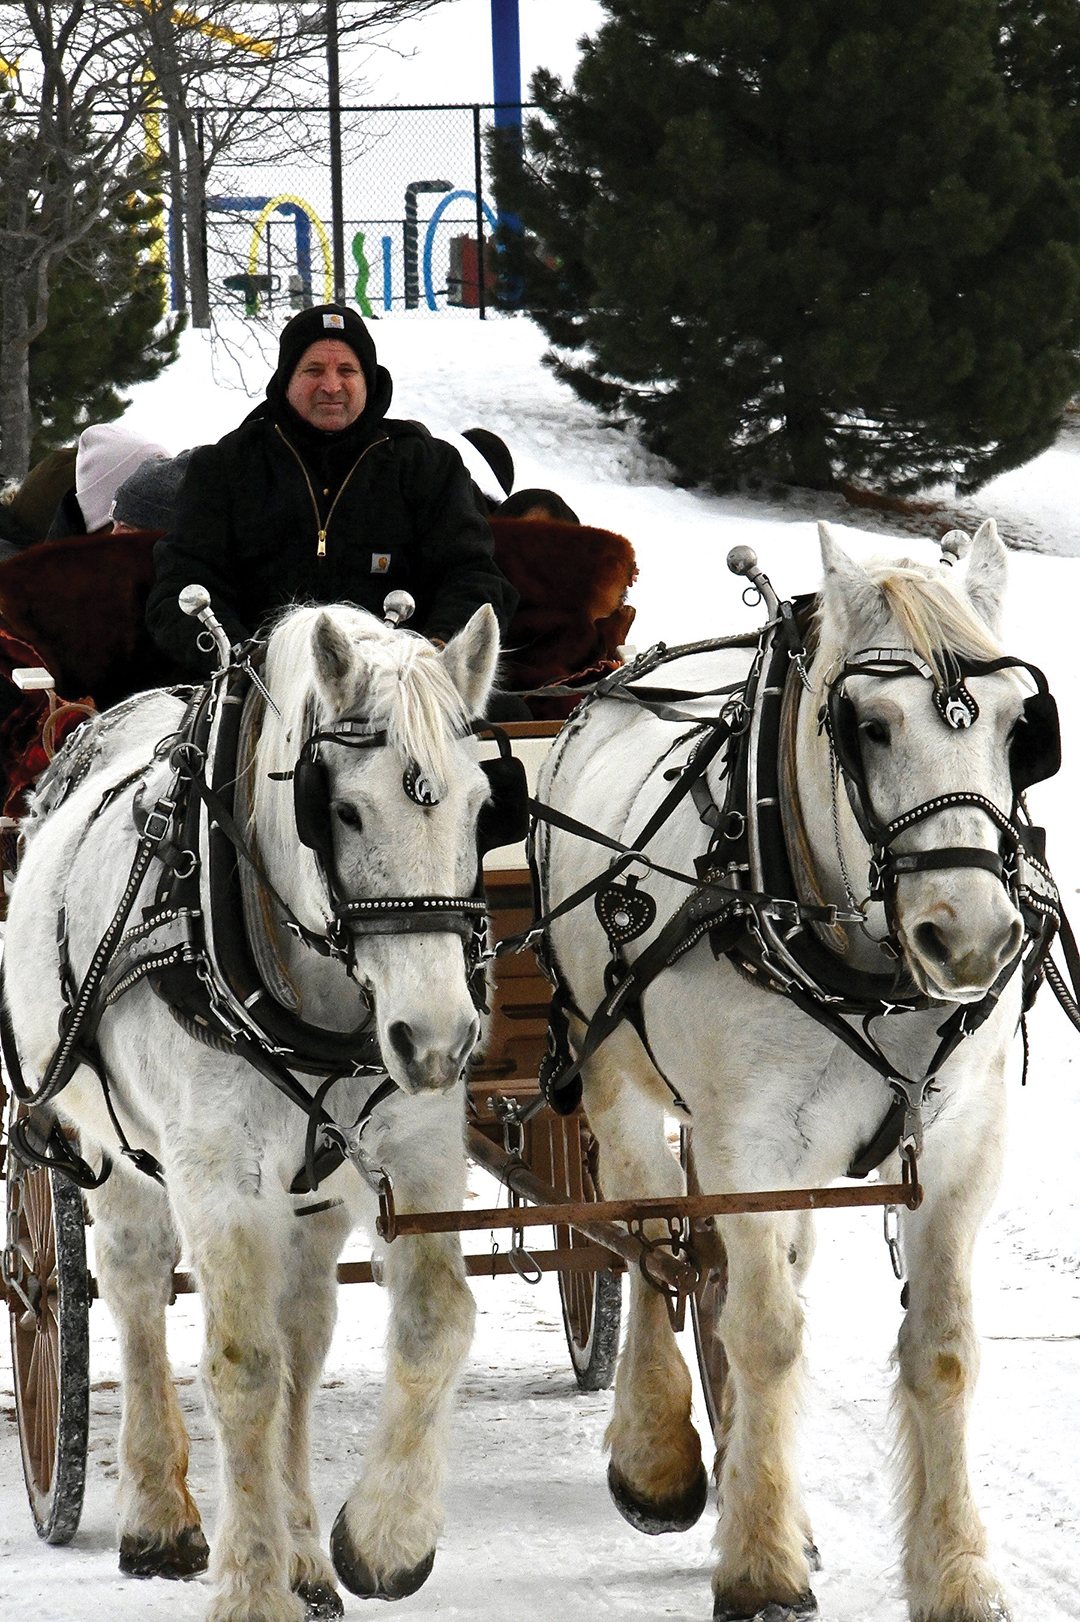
<point x="706" y="1304"/>
<point x="591" y="1302"/>
<point x="49" y="1304"/>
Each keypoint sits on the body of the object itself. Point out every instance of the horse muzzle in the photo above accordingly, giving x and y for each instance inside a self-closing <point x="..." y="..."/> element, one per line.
<point x="954" y="955"/>
<point x="423" y="1061"/>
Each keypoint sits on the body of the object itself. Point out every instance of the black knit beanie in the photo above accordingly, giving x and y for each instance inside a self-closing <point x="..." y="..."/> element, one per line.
<point x="324" y="321"/>
<point x="147" y="497"/>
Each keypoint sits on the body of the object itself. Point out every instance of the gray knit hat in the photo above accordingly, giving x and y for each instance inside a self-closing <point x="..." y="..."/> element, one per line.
<point x="147" y="497"/>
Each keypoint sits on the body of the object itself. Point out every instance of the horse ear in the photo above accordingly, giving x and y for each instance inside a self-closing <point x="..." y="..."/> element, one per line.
<point x="987" y="574"/>
<point x="470" y="659"/>
<point x="849" y="593"/>
<point x="332" y="651"/>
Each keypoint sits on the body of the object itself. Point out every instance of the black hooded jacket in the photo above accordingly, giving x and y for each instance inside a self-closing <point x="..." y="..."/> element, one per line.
<point x="279" y="512"/>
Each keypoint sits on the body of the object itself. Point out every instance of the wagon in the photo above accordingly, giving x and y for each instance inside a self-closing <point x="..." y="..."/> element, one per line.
<point x="547" y="1162"/>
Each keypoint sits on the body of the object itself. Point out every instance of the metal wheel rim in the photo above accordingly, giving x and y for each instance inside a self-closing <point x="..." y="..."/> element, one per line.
<point x="49" y="1347"/>
<point x="578" y="1289"/>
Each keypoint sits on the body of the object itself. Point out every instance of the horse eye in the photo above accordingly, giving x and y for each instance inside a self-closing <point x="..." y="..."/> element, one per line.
<point x="348" y="814"/>
<point x="877" y="732"/>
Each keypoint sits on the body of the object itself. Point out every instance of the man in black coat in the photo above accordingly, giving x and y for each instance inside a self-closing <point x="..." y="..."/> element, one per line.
<point x="318" y="496"/>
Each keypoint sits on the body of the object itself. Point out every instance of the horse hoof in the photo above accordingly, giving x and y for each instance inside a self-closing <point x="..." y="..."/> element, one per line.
<point x="813" y="1556"/>
<point x="185" y="1556"/>
<point x="646" y="1515"/>
<point x="795" y="1610"/>
<point x="322" y="1602"/>
<point x="358" y="1577"/>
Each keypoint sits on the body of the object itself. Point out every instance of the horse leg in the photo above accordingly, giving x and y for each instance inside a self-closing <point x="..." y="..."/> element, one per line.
<point x="945" y="1568"/>
<point x="308" y="1309"/>
<point x="383" y="1542"/>
<point x="656" y="1475"/>
<point x="763" y="1538"/>
<point x="136" y="1250"/>
<point x="238" y="1252"/>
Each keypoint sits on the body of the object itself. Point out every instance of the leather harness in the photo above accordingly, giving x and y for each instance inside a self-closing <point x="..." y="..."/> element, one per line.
<point x="195" y="947"/>
<point x="746" y="898"/>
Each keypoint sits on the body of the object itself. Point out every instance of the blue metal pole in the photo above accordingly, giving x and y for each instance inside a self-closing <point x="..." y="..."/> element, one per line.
<point x="506" y="61"/>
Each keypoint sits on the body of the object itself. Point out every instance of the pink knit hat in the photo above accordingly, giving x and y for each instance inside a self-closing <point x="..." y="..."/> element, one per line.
<point x="106" y="455"/>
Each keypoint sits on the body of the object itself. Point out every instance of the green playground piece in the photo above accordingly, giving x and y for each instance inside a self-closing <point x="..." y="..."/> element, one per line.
<point x="363" y="271"/>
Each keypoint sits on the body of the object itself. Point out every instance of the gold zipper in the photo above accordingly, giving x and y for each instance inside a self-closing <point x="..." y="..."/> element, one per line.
<point x="322" y="528"/>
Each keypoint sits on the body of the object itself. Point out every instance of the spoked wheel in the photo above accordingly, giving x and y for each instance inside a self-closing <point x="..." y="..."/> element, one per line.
<point x="591" y="1301"/>
<point x="707" y="1302"/>
<point x="49" y="1304"/>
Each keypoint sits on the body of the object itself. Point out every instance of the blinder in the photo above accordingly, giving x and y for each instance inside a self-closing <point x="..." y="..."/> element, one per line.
<point x="311" y="801"/>
<point x="311" y="784"/>
<point x="504" y="817"/>
<point x="1035" y="750"/>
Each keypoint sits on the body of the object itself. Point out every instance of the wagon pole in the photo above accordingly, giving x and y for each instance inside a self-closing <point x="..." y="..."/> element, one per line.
<point x="551" y="1208"/>
<point x="559" y="1211"/>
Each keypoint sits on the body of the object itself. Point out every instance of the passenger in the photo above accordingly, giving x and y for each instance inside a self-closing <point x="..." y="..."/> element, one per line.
<point x="27" y="509"/>
<point x="489" y="465"/>
<point x="537" y="504"/>
<point x="105" y="457"/>
<point x="146" y="501"/>
<point x="319" y="496"/>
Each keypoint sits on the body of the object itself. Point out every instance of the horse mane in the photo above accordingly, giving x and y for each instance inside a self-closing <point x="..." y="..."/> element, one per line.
<point x="934" y="616"/>
<point x="397" y="682"/>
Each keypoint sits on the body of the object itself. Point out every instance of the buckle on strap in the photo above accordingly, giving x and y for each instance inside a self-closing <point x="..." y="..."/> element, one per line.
<point x="159" y="821"/>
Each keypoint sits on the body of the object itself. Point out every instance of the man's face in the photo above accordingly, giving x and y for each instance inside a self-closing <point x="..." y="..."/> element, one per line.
<point x="328" y="388"/>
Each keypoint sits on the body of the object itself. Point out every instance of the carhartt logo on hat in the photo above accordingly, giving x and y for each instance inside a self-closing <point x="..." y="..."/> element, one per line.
<point x="380" y="562"/>
<point x="333" y="321"/>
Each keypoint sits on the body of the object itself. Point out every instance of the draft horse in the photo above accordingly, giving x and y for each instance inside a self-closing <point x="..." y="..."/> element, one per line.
<point x="776" y="1099"/>
<point x="396" y="820"/>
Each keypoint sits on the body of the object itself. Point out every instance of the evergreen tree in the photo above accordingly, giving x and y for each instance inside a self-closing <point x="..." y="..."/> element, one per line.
<point x="106" y="326"/>
<point x="1038" y="51"/>
<point x="806" y="240"/>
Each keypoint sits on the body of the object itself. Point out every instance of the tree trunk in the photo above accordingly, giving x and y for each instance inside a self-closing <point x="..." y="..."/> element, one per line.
<point x="176" y="218"/>
<point x="806" y="435"/>
<point x="194" y="216"/>
<point x="16" y="420"/>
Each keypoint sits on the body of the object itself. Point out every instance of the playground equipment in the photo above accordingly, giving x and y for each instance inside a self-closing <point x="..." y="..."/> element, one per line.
<point x="304" y="217"/>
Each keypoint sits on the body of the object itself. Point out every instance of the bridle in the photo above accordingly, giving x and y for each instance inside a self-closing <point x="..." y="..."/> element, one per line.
<point x="503" y="820"/>
<point x="1035" y="753"/>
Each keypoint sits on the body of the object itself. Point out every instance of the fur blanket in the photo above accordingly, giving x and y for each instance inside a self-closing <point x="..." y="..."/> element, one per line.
<point x="572" y="615"/>
<point x="81" y="603"/>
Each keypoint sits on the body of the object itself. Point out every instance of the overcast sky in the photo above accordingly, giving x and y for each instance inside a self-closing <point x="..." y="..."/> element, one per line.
<point x="446" y="55"/>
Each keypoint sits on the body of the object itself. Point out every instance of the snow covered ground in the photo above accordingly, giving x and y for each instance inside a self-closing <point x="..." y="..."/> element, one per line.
<point x="530" y="1529"/>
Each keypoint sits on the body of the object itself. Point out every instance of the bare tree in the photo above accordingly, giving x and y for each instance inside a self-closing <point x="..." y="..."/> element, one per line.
<point x="72" y="98"/>
<point x="241" y="59"/>
<point x="81" y="82"/>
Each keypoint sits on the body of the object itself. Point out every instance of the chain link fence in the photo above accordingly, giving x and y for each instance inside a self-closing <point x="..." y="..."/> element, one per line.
<point x="417" y="216"/>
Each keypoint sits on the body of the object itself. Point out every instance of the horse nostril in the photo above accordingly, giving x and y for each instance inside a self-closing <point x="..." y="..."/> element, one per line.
<point x="401" y="1040"/>
<point x="932" y="944"/>
<point x="1013" y="942"/>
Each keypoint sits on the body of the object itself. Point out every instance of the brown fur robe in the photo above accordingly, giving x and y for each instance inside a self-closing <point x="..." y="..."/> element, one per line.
<point x="80" y="603"/>
<point x="572" y="615"/>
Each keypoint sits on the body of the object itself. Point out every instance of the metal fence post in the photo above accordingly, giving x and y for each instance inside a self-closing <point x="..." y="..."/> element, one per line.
<point x="337" y="201"/>
<point x="478" y="160"/>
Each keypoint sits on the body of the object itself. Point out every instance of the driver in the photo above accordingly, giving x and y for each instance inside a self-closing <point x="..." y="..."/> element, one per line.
<point x="318" y="496"/>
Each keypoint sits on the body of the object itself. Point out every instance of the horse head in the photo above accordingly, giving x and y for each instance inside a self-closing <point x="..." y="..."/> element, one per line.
<point x="912" y="722"/>
<point x="375" y="726"/>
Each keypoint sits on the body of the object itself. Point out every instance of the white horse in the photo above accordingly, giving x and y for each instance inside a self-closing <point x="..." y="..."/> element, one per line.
<point x="230" y="1145"/>
<point x="777" y="1101"/>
